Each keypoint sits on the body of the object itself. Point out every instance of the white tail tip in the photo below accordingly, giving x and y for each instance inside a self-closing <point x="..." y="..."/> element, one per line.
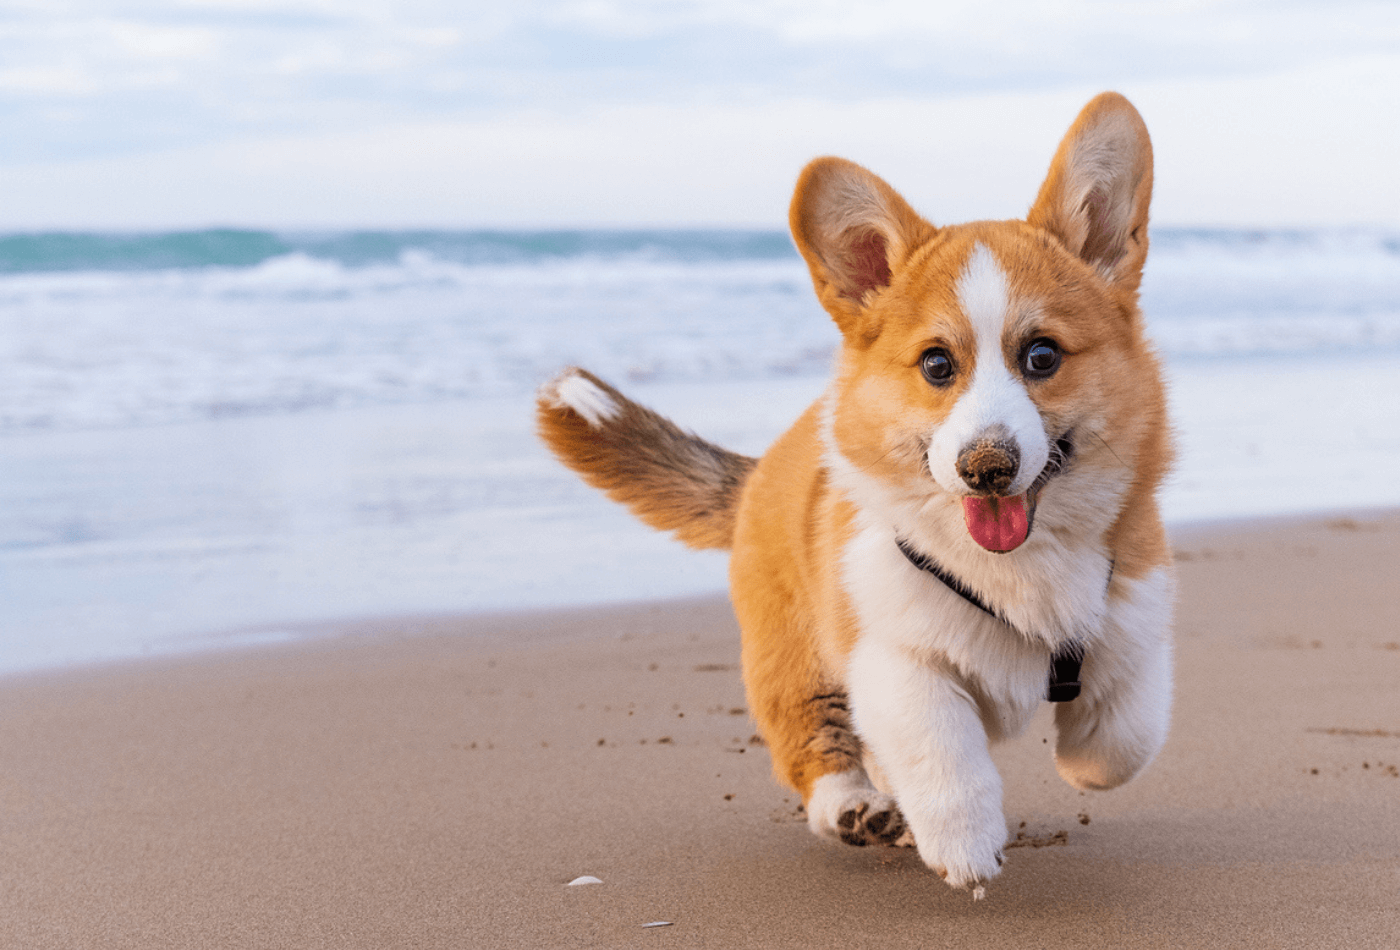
<point x="573" y="391"/>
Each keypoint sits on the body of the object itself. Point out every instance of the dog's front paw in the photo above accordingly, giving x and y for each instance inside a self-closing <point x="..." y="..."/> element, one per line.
<point x="962" y="845"/>
<point x="847" y="806"/>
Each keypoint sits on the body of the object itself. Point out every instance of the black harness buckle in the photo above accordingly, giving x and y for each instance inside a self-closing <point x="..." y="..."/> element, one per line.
<point x="1064" y="674"/>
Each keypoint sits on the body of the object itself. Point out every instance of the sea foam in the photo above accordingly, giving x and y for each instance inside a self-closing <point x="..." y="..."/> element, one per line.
<point x="104" y="331"/>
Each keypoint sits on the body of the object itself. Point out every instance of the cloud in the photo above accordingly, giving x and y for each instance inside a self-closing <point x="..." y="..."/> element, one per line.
<point x="1307" y="146"/>
<point x="163" y="74"/>
<point x="622" y="111"/>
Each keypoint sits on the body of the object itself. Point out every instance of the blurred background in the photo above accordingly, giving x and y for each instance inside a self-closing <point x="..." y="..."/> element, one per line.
<point x="278" y="279"/>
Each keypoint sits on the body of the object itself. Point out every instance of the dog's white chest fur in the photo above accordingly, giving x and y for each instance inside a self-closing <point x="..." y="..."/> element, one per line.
<point x="914" y="615"/>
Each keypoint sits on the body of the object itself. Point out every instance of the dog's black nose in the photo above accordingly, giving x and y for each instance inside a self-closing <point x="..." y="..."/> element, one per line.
<point x="989" y="465"/>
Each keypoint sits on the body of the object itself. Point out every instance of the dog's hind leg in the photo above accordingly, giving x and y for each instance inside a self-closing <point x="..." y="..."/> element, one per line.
<point x="786" y="541"/>
<point x="840" y="799"/>
<point x="805" y="720"/>
<point x="844" y="802"/>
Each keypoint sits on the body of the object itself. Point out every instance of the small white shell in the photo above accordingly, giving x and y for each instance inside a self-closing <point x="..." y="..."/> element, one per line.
<point x="658" y="923"/>
<point x="586" y="879"/>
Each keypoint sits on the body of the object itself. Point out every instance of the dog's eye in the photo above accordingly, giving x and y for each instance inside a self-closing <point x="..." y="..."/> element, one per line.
<point x="937" y="366"/>
<point x="1040" y="359"/>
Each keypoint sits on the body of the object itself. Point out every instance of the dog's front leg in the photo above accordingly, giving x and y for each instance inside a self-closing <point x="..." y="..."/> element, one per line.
<point x="1119" y="722"/>
<point x="926" y="735"/>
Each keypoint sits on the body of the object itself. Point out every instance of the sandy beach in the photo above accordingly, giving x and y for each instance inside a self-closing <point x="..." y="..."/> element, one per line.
<point x="438" y="782"/>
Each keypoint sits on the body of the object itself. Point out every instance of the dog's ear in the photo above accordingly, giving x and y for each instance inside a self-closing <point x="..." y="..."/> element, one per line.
<point x="1096" y="195"/>
<point x="854" y="232"/>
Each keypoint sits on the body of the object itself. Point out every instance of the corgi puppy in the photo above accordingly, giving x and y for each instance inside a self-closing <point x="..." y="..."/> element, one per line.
<point x="964" y="524"/>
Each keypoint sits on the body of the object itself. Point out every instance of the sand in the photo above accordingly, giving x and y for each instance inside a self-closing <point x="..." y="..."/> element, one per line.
<point x="437" y="782"/>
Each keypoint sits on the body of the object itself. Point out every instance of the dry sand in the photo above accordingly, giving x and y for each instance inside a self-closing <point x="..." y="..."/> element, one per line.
<point x="436" y="783"/>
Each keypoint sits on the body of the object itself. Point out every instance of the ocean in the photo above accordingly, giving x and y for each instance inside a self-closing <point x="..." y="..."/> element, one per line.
<point x="227" y="436"/>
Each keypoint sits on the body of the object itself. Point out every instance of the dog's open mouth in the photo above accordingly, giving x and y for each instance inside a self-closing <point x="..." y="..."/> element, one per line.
<point x="1002" y="523"/>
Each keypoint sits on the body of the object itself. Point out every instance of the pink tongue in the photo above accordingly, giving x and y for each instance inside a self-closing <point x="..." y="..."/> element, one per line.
<point x="998" y="524"/>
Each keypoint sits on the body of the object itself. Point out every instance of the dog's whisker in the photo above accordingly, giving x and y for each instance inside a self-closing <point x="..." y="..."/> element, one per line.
<point x="1104" y="442"/>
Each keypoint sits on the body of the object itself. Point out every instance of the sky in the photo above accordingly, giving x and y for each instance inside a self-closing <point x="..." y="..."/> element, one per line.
<point x="137" y="114"/>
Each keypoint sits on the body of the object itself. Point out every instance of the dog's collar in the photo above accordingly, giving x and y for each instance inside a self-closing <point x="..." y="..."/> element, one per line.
<point x="1063" y="685"/>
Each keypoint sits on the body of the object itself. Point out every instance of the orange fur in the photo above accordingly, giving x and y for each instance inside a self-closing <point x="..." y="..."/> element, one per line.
<point x="671" y="479"/>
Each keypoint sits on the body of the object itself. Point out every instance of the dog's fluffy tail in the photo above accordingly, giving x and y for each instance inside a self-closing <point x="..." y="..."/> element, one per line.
<point x="671" y="479"/>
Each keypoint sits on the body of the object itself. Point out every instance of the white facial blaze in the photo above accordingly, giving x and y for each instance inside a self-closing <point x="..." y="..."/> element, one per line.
<point x="996" y="397"/>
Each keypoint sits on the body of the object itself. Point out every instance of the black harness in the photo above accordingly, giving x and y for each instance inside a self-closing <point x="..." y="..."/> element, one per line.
<point x="1064" y="682"/>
